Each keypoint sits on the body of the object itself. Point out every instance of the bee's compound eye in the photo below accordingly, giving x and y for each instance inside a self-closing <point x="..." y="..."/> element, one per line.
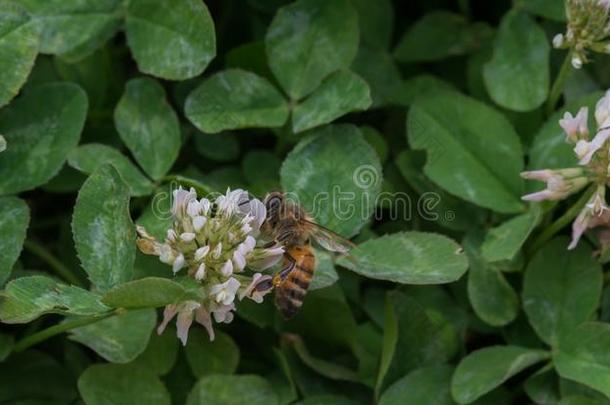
<point x="274" y="202"/>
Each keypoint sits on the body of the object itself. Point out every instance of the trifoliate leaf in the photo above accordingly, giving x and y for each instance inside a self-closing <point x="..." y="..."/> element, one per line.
<point x="206" y="357"/>
<point x="160" y="354"/>
<point x="582" y="356"/>
<point x="171" y="39"/>
<point x="424" y="337"/>
<point x="504" y="242"/>
<point x="26" y="298"/>
<point x="104" y="235"/>
<point x="235" y="390"/>
<point x="148" y="126"/>
<point x="426" y="385"/>
<point x="472" y="150"/>
<point x="54" y="382"/>
<point x="561" y="289"/>
<point x="234" y="99"/>
<point x="375" y="19"/>
<point x="409" y="258"/>
<point x="436" y="36"/>
<point x="121" y="384"/>
<point x="325" y="273"/>
<point x="485" y="369"/>
<point x="14" y="220"/>
<point x="19" y="41"/>
<point x="554" y="10"/>
<point x="334" y="162"/>
<point x="40" y="134"/>
<point x="119" y="338"/>
<point x="74" y="29"/>
<point x="88" y="158"/>
<point x="492" y="297"/>
<point x="148" y="292"/>
<point x="339" y="94"/>
<point x="517" y="76"/>
<point x="309" y="39"/>
<point x="379" y="70"/>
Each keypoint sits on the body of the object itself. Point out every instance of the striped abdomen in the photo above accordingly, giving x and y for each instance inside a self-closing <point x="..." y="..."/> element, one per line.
<point x="293" y="280"/>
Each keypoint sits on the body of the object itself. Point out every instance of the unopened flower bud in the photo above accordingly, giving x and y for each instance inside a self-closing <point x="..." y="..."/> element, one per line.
<point x="201" y="252"/>
<point x="559" y="183"/>
<point x="187" y="236"/>
<point x="239" y="261"/>
<point x="227" y="268"/>
<point x="217" y="251"/>
<point x="200" y="273"/>
<point x="558" y="41"/>
<point x="199" y="222"/>
<point x="576" y="62"/>
<point x="193" y="208"/>
<point x="178" y="263"/>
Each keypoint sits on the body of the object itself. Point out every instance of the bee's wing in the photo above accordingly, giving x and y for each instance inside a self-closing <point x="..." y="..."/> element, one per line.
<point x="330" y="240"/>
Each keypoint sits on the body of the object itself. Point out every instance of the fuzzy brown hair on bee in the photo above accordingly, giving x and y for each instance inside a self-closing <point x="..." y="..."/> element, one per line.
<point x="293" y="228"/>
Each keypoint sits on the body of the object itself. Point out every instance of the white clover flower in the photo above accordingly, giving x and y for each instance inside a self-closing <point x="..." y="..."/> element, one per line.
<point x="224" y="293"/>
<point x="185" y="311"/>
<point x="223" y="313"/>
<point x="182" y="198"/>
<point x="588" y="29"/>
<point x="2" y="144"/>
<point x="212" y="243"/>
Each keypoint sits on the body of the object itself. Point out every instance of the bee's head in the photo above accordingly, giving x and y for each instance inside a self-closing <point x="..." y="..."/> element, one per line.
<point x="273" y="203"/>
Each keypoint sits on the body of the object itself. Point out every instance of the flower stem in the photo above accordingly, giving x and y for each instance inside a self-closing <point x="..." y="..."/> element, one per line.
<point x="559" y="84"/>
<point x="54" y="330"/>
<point x="562" y="221"/>
<point x="57" y="266"/>
<point x="201" y="188"/>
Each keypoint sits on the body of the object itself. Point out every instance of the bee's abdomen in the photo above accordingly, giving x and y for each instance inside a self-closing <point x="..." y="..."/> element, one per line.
<point x="290" y="293"/>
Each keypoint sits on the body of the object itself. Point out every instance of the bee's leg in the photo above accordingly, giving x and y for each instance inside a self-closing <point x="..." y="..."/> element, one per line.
<point x="270" y="244"/>
<point x="283" y="273"/>
<point x="282" y="239"/>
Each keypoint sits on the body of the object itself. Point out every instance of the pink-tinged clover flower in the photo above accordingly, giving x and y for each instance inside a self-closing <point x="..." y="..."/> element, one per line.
<point x="593" y="159"/>
<point x="559" y="183"/>
<point x="594" y="214"/>
<point x="576" y="128"/>
<point x="213" y="243"/>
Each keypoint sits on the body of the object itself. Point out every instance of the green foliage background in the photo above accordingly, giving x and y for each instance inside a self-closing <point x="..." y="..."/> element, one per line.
<point x="106" y="103"/>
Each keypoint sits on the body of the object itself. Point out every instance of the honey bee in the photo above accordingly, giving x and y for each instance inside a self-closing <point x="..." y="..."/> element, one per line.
<point x="293" y="228"/>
